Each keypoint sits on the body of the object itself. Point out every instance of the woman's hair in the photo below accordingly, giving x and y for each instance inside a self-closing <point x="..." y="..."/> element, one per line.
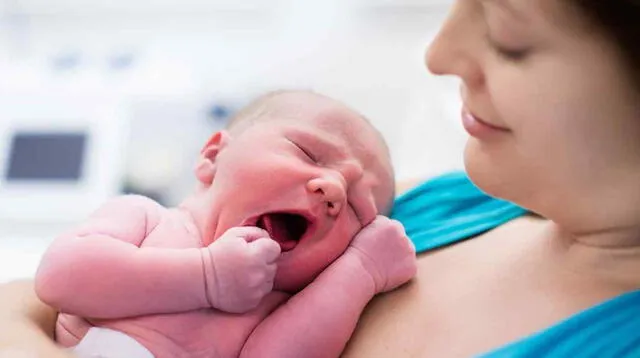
<point x="620" y="21"/>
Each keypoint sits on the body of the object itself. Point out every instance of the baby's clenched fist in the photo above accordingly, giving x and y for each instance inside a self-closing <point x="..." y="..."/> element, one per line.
<point x="242" y="266"/>
<point x="386" y="253"/>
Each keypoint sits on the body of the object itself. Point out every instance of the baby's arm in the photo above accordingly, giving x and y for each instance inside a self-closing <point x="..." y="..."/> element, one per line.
<point x="99" y="271"/>
<point x="318" y="321"/>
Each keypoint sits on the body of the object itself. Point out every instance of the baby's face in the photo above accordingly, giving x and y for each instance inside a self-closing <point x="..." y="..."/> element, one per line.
<point x="312" y="175"/>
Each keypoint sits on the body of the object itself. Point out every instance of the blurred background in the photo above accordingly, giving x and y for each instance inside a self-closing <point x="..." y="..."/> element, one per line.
<point x="100" y="97"/>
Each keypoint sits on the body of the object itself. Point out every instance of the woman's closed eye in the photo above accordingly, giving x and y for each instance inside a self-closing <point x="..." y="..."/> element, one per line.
<point x="504" y="34"/>
<point x="509" y="54"/>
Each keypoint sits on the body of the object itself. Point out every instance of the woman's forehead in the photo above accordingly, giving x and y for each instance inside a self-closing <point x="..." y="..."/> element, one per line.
<point x="549" y="13"/>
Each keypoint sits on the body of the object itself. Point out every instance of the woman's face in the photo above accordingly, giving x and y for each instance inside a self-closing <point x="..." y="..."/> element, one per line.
<point x="552" y="113"/>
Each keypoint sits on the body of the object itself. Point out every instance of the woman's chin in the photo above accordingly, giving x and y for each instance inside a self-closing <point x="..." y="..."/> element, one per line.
<point x="483" y="170"/>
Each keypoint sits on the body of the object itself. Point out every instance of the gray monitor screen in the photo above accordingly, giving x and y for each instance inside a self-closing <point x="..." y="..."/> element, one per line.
<point x="46" y="156"/>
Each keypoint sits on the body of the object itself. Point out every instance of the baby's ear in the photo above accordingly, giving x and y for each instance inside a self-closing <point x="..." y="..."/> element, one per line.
<point x="206" y="167"/>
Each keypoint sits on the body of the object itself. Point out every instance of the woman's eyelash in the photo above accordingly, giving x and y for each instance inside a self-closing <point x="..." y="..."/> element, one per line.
<point x="514" y="55"/>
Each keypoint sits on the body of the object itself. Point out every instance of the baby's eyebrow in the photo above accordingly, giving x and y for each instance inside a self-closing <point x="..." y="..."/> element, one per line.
<point x="331" y="145"/>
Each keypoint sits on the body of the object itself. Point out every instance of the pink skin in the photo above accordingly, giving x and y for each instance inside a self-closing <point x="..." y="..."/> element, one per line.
<point x="168" y="261"/>
<point x="379" y="259"/>
<point x="478" y="128"/>
<point x="338" y="195"/>
<point x="241" y="269"/>
<point x="566" y="100"/>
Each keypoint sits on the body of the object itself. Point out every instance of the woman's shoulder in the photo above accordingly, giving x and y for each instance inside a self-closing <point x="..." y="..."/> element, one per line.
<point x="419" y="319"/>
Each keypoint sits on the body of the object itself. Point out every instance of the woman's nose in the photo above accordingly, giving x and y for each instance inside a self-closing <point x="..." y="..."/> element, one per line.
<point x="331" y="190"/>
<point x="457" y="48"/>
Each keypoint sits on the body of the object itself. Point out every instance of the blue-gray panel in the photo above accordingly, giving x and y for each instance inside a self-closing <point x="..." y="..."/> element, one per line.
<point x="46" y="156"/>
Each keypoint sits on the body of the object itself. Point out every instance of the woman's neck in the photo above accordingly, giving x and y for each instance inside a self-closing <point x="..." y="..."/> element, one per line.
<point x="611" y="254"/>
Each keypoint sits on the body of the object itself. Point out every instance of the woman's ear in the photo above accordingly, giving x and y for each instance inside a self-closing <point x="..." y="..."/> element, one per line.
<point x="206" y="166"/>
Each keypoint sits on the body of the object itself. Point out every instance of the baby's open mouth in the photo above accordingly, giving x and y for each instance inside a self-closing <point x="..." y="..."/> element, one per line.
<point x="285" y="228"/>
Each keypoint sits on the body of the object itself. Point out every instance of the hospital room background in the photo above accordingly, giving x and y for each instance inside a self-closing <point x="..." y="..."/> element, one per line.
<point x="101" y="97"/>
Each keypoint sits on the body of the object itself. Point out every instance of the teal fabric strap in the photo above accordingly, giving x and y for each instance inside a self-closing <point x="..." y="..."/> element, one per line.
<point x="609" y="330"/>
<point x="449" y="209"/>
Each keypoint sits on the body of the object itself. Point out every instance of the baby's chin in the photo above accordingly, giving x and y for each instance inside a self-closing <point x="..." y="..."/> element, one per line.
<point x="285" y="282"/>
<point x="288" y="287"/>
<point x="293" y="278"/>
<point x="298" y="267"/>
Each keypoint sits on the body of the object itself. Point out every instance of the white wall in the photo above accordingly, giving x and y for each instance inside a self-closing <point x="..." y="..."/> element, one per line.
<point x="187" y="55"/>
<point x="185" y="59"/>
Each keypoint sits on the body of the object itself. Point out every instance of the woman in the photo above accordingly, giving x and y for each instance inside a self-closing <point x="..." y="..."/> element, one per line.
<point x="552" y="103"/>
<point x="551" y="92"/>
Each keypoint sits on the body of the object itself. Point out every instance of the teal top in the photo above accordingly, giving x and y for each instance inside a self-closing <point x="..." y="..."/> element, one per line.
<point x="449" y="209"/>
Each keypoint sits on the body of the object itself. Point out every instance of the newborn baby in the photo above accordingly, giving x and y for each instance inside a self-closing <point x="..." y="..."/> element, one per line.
<point x="275" y="254"/>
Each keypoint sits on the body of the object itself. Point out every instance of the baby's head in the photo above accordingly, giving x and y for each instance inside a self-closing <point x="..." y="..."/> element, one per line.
<point x="304" y="167"/>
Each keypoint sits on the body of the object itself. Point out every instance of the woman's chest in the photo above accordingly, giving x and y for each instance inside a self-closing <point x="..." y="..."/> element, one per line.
<point x="472" y="298"/>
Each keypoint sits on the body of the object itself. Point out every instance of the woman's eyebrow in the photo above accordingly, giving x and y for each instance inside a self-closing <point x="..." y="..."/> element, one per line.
<point x="509" y="7"/>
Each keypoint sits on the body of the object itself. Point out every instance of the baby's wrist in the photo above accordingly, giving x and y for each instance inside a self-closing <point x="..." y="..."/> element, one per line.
<point x="208" y="279"/>
<point x="361" y="263"/>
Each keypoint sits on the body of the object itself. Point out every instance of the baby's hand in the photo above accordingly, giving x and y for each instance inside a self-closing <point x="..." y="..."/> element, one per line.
<point x="244" y="266"/>
<point x="386" y="252"/>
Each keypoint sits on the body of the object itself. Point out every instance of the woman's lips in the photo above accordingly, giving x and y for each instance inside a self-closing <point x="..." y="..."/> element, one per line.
<point x="478" y="128"/>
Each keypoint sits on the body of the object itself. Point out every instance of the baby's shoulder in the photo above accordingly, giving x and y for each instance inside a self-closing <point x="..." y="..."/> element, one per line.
<point x="134" y="200"/>
<point x="139" y="206"/>
<point x="134" y="205"/>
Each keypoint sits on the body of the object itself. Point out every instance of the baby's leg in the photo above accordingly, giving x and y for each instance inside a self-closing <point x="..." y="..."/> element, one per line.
<point x="107" y="343"/>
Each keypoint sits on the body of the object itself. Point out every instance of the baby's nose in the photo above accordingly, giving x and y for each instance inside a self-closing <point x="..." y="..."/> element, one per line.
<point x="331" y="191"/>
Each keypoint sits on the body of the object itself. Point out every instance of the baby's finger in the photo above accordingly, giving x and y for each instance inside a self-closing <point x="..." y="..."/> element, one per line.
<point x="270" y="271"/>
<point x="267" y="285"/>
<point x="268" y="249"/>
<point x="249" y="233"/>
